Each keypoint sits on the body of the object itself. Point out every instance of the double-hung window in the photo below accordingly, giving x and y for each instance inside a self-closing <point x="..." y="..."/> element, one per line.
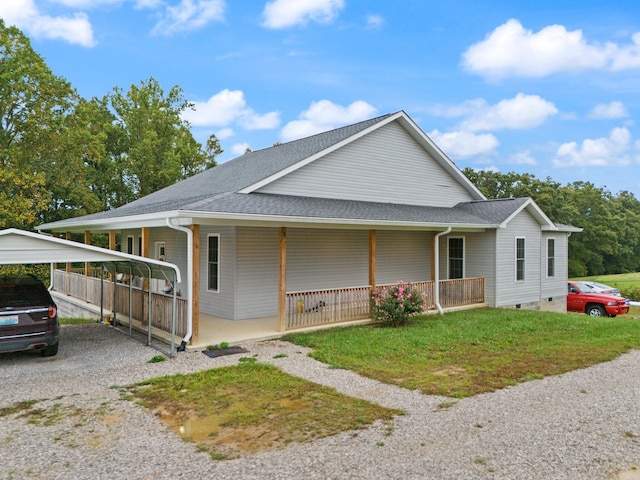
<point x="213" y="263"/>
<point x="520" y="264"/>
<point x="551" y="257"/>
<point x="456" y="257"/>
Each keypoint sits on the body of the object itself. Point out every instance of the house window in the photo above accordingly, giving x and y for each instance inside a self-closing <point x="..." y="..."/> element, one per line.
<point x="456" y="257"/>
<point x="551" y="257"/>
<point x="213" y="262"/>
<point x="160" y="249"/>
<point x="130" y="245"/>
<point x="519" y="259"/>
<point x="140" y="246"/>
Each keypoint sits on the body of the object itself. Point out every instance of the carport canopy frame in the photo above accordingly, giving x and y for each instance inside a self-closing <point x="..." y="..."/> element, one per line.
<point x="19" y="247"/>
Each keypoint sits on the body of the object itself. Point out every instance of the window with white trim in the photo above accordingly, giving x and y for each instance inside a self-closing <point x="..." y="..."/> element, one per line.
<point x="456" y="257"/>
<point x="520" y="265"/>
<point x="130" y="245"/>
<point x="551" y="257"/>
<point x="213" y="262"/>
<point x="160" y="251"/>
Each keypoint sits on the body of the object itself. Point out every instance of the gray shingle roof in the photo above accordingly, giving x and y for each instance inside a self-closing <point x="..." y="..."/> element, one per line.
<point x="242" y="171"/>
<point x="216" y="191"/>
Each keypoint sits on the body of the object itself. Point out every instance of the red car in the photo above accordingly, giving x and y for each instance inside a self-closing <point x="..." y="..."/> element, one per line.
<point x="581" y="298"/>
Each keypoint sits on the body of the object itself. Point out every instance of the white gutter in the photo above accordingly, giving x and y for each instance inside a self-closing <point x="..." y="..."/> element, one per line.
<point x="189" y="233"/>
<point x="436" y="261"/>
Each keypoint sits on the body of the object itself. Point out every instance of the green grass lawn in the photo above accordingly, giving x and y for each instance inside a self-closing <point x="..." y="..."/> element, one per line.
<point x="465" y="353"/>
<point x="250" y="407"/>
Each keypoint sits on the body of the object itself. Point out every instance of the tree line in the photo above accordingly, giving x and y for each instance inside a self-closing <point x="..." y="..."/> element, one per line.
<point x="610" y="240"/>
<point x="63" y="156"/>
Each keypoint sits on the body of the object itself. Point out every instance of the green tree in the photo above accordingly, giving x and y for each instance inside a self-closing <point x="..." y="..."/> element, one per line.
<point x="610" y="240"/>
<point x="154" y="147"/>
<point x="33" y="106"/>
<point x="212" y="151"/>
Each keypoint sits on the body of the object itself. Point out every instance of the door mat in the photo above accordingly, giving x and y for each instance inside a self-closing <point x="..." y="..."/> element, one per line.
<point x="219" y="352"/>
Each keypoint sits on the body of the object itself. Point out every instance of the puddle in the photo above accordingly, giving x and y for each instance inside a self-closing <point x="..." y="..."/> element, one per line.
<point x="196" y="429"/>
<point x="632" y="473"/>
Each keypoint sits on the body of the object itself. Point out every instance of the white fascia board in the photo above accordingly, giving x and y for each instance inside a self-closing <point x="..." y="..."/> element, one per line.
<point x="313" y="158"/>
<point x="320" y="222"/>
<point x="537" y="213"/>
<point x="105" y="224"/>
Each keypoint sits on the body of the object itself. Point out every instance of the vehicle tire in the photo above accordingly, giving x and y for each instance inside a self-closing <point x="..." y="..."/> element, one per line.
<point x="49" y="351"/>
<point x="596" y="311"/>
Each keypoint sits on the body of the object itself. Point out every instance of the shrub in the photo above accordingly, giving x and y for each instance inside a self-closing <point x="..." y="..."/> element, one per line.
<point x="394" y="305"/>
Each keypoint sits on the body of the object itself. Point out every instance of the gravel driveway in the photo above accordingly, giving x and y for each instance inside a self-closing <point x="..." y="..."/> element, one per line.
<point x="581" y="425"/>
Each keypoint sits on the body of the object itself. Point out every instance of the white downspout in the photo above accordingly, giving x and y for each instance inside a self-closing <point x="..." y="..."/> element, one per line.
<point x="189" y="233"/>
<point x="436" y="261"/>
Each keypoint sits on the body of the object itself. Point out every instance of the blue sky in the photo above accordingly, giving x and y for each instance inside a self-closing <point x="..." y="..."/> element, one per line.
<point x="547" y="87"/>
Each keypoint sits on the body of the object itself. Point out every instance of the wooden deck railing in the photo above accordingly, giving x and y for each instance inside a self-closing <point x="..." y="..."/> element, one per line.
<point x="324" y="307"/>
<point x="87" y="289"/>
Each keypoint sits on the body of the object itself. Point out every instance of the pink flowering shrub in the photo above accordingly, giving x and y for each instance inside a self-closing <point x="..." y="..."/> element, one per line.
<point x="394" y="305"/>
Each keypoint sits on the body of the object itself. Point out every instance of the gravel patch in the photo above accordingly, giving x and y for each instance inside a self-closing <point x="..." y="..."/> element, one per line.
<point x="580" y="425"/>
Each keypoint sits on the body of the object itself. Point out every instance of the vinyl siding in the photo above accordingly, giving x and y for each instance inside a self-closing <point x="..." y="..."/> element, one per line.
<point x="508" y="291"/>
<point x="257" y="280"/>
<point x="403" y="256"/>
<point x="388" y="165"/>
<point x="320" y="259"/>
<point x="220" y="303"/>
<point x="556" y="285"/>
<point x="175" y="252"/>
<point x="479" y="258"/>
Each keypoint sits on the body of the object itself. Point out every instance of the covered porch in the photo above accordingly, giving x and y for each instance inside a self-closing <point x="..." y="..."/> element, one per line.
<point x="144" y="310"/>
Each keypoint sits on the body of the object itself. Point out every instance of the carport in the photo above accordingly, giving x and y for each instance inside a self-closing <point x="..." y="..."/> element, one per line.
<point x="19" y="247"/>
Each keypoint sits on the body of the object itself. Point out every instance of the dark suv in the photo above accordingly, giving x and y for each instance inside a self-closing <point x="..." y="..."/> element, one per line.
<point x="28" y="316"/>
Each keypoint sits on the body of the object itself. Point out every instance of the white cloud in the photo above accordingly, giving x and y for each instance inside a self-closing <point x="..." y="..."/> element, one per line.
<point x="609" y="111"/>
<point x="24" y="14"/>
<point x="523" y="158"/>
<point x="225" y="133"/>
<point x="225" y="108"/>
<point x="189" y="15"/>
<point x="464" y="144"/>
<point x="84" y="4"/>
<point x="603" y="152"/>
<point x="628" y="56"/>
<point x="253" y="121"/>
<point x="239" y="148"/>
<point x="289" y="13"/>
<point x="510" y="50"/>
<point x="375" y="22"/>
<point x="521" y="112"/>
<point x="325" y="115"/>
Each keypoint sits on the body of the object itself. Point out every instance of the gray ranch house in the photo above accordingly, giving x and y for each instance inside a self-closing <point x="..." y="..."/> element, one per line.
<point x="302" y="231"/>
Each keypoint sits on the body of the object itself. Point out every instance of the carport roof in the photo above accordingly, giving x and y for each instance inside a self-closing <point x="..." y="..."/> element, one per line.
<point x="22" y="247"/>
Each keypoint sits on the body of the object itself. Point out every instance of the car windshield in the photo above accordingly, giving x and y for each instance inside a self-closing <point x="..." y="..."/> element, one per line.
<point x="586" y="288"/>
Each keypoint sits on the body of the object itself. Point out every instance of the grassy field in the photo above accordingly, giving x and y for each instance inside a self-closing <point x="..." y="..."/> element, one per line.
<point x="626" y="282"/>
<point x="470" y="352"/>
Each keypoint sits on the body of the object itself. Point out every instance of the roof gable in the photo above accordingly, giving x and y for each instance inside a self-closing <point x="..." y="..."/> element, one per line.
<point x="502" y="211"/>
<point x="385" y="164"/>
<point x="431" y="150"/>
